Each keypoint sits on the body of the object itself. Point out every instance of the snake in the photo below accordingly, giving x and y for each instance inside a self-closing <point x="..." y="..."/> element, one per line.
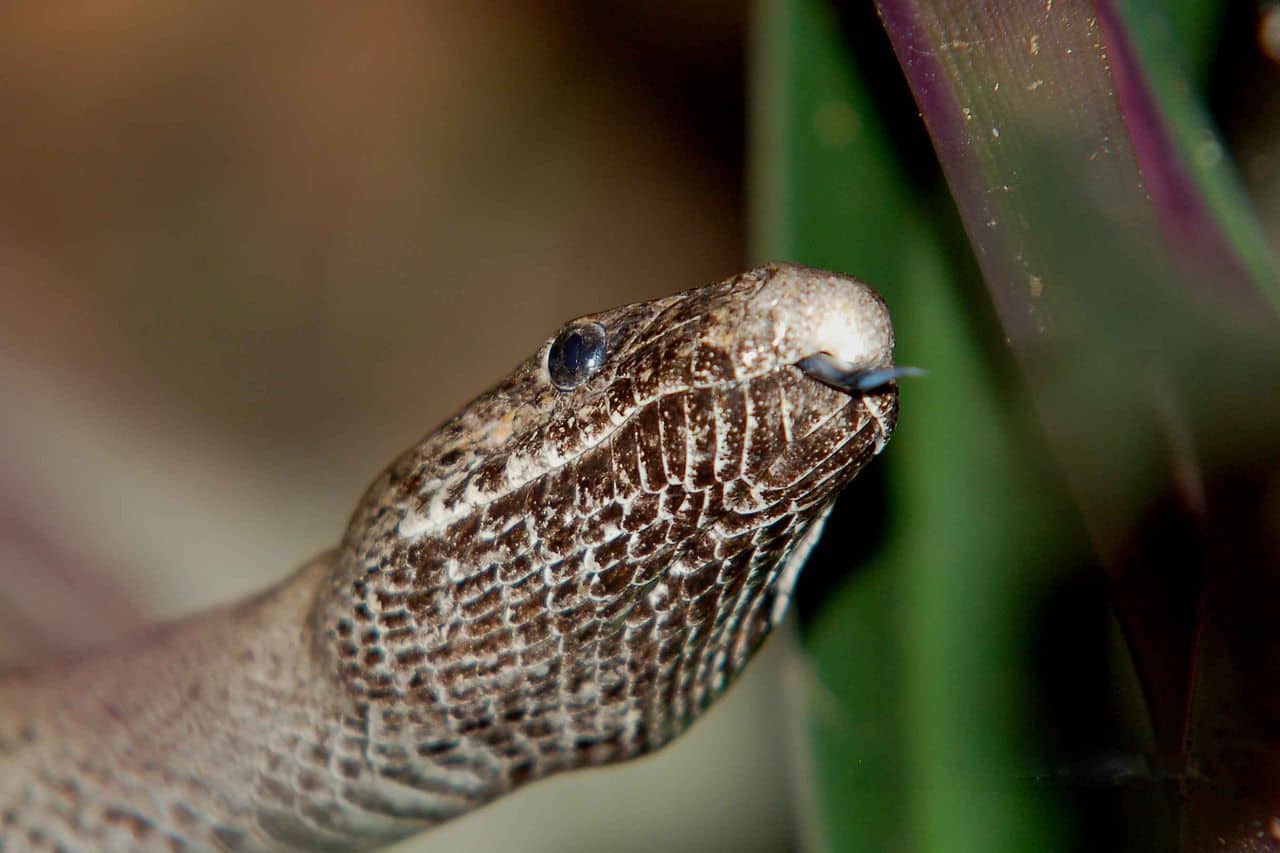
<point x="565" y="574"/>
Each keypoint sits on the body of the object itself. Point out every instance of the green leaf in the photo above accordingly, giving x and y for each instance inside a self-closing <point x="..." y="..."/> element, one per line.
<point x="1134" y="286"/>
<point x="922" y="718"/>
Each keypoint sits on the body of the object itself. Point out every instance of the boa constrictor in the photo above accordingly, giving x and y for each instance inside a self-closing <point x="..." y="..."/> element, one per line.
<point x="564" y="574"/>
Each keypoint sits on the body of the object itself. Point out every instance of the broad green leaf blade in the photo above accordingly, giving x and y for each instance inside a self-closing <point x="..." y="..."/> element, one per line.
<point x="1134" y="287"/>
<point x="821" y="177"/>
<point x="923" y="725"/>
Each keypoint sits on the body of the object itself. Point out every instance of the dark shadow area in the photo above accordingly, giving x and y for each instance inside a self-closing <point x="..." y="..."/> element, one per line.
<point x="874" y="58"/>
<point x="1118" y="799"/>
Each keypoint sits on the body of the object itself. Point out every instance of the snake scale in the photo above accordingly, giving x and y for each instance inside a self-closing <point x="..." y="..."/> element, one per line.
<point x="565" y="574"/>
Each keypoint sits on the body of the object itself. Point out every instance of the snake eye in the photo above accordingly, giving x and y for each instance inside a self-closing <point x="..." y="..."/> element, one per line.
<point x="576" y="354"/>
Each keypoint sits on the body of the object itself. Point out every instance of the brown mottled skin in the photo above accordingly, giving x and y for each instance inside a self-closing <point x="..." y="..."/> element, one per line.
<point x="551" y="580"/>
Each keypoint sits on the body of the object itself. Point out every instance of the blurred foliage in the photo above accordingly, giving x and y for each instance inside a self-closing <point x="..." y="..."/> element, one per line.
<point x="957" y="703"/>
<point x="917" y="656"/>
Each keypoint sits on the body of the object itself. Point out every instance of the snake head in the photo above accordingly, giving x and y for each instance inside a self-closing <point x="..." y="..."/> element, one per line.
<point x="574" y="566"/>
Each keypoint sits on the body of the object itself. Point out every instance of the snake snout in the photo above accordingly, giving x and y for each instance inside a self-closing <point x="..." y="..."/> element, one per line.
<point x="814" y="311"/>
<point x="837" y="327"/>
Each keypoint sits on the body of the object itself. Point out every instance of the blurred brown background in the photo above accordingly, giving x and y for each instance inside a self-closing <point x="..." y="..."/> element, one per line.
<point x="248" y="252"/>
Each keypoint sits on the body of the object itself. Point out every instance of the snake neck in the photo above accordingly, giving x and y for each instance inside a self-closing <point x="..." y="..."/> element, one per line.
<point x="224" y="731"/>
<point x="551" y="629"/>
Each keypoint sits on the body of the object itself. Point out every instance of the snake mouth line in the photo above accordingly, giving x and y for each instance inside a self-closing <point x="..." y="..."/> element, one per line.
<point x="843" y="376"/>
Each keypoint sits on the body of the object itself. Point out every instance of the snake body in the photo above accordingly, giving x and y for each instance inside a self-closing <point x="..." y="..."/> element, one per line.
<point x="553" y="579"/>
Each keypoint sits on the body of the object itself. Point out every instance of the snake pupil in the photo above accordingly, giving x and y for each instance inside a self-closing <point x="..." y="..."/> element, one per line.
<point x="573" y="351"/>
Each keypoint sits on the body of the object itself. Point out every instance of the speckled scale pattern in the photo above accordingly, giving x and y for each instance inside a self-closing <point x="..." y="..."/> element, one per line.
<point x="551" y="580"/>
